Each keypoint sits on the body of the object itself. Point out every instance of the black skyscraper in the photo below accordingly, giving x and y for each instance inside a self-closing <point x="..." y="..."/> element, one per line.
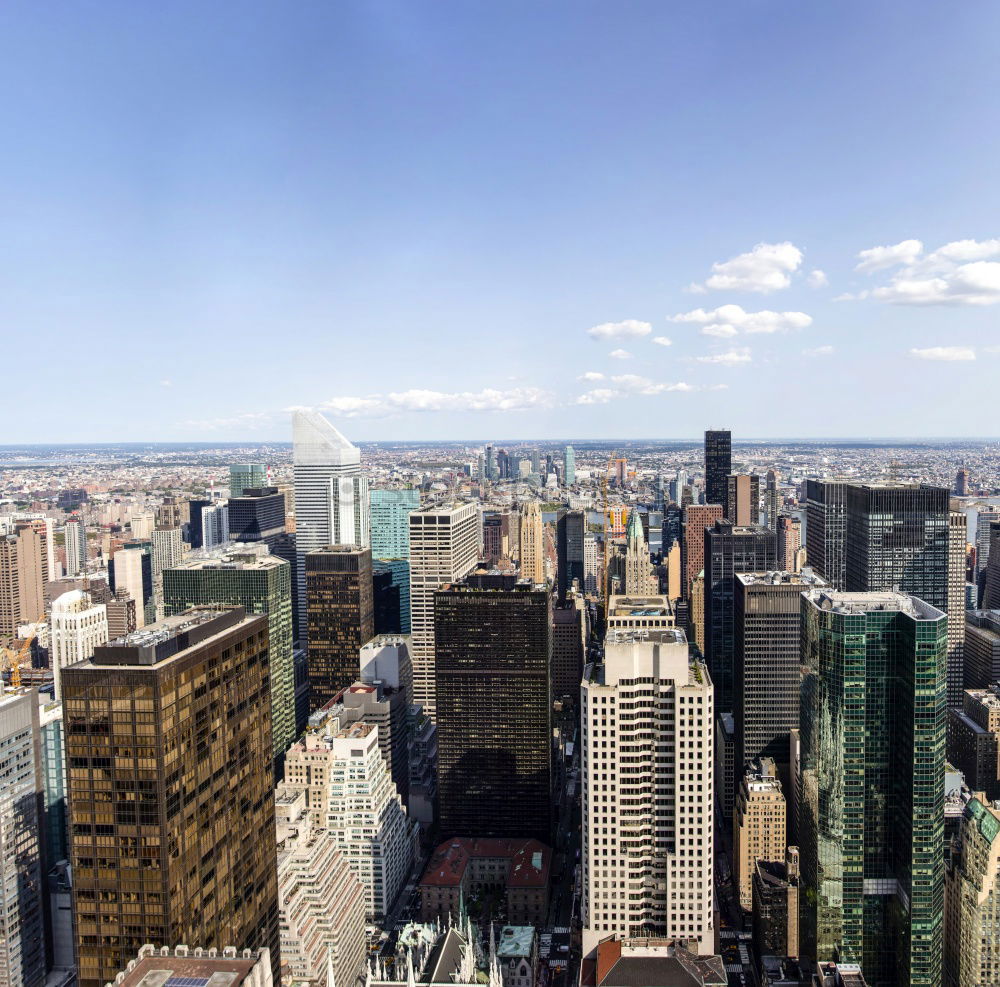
<point x="896" y="537"/>
<point x="718" y="464"/>
<point x="492" y="647"/>
<point x="196" y="537"/>
<point x="259" y="515"/>
<point x="570" y="529"/>
<point x="729" y="550"/>
<point x="825" y="529"/>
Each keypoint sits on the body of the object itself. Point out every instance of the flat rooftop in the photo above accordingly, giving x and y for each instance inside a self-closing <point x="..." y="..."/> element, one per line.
<point x="856" y="603"/>
<point x="156" y="970"/>
<point x="169" y="637"/>
<point x="655" y="635"/>
<point x="806" y="578"/>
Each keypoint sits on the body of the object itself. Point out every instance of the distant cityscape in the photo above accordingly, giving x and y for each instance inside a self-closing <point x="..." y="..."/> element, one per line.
<point x="516" y="713"/>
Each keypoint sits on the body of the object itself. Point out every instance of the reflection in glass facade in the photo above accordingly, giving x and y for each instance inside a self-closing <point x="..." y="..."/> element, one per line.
<point x="871" y="822"/>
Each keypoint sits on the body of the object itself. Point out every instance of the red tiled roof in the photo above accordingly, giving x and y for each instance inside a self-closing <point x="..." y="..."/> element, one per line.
<point x="529" y="865"/>
<point x="608" y="954"/>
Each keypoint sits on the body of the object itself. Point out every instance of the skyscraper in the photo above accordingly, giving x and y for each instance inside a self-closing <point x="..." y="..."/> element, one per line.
<point x="825" y="525"/>
<point x="214" y="524"/>
<point x="962" y="483"/>
<point x="390" y="510"/>
<point x="759" y="823"/>
<point x="871" y="823"/>
<point x="493" y="648"/>
<point x="131" y="570"/>
<point x="331" y="494"/>
<point x="444" y="547"/>
<point x="569" y="466"/>
<point x="771" y="500"/>
<point x="249" y="577"/>
<point x="697" y="517"/>
<point x="22" y="958"/>
<point x="173" y="816"/>
<point x="569" y="647"/>
<point x="571" y="530"/>
<point x="646" y="724"/>
<point x="23" y="576"/>
<point x="167" y="551"/>
<point x="257" y="514"/>
<point x="640" y="580"/>
<point x="742" y="504"/>
<point x="76" y="627"/>
<point x="718" y="465"/>
<point x="789" y="532"/>
<point x="532" y="542"/>
<point x="729" y="550"/>
<point x="896" y="537"/>
<point x="984" y="518"/>
<point x="340" y="607"/>
<point x="956" y="609"/>
<point x="767" y="611"/>
<point x="75" y="533"/>
<point x="246" y="475"/>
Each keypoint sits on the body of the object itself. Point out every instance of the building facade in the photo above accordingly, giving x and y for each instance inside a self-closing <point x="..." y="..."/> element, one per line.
<point x="646" y="719"/>
<point x="493" y="651"/>
<point x="444" y="547"/>
<point x="871" y="812"/>
<point x="76" y="627"/>
<point x="759" y="831"/>
<point x="246" y="576"/>
<point x="825" y="527"/>
<point x="718" y="464"/>
<point x="532" y="557"/>
<point x="168" y="745"/>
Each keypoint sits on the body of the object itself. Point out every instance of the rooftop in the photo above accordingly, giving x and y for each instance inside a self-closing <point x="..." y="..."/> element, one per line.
<point x="184" y="967"/>
<point x="168" y="637"/>
<point x="515" y="941"/>
<point x="530" y="861"/>
<point x="839" y="601"/>
<point x="806" y="578"/>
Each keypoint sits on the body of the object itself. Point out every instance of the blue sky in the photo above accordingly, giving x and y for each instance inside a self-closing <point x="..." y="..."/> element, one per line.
<point x="411" y="214"/>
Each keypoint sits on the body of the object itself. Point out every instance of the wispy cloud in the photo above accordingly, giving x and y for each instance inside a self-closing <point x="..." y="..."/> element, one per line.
<point x="591" y="375"/>
<point x="599" y="395"/>
<point x="627" y="329"/>
<point x="732" y="358"/>
<point x="419" y="400"/>
<point x="620" y="355"/>
<point x="662" y="341"/>
<point x="824" y="350"/>
<point x="166" y="383"/>
<point x="817" y="279"/>
<point x="946" y="353"/>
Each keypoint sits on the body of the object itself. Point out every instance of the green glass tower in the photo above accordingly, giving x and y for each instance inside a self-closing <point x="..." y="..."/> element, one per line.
<point x="871" y="807"/>
<point x="250" y="577"/>
<point x="246" y="476"/>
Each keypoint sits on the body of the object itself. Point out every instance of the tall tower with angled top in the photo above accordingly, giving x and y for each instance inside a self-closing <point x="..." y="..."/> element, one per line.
<point x="331" y="494"/>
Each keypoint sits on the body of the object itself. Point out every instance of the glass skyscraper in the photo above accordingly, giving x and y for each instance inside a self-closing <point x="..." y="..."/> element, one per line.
<point x="390" y="514"/>
<point x="718" y="464"/>
<point x="871" y="811"/>
<point x="246" y="475"/>
<point x="247" y="576"/>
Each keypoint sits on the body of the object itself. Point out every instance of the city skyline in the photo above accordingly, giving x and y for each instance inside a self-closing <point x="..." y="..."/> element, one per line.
<point x="319" y="188"/>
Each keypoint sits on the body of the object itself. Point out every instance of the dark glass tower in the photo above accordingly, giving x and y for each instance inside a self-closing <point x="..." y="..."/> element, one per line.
<point x="170" y="789"/>
<point x="718" y="464"/>
<point x="871" y="823"/>
<point x="340" y="609"/>
<point x="825" y="518"/>
<point x="896" y="537"/>
<point x="257" y="515"/>
<point x="492" y="646"/>
<point x="729" y="550"/>
<point x="767" y="612"/>
<point x="571" y="526"/>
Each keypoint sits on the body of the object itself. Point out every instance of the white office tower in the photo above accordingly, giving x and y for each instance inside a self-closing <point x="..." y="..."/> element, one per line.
<point x="350" y="792"/>
<point x="76" y="627"/>
<point x="214" y="525"/>
<point x="168" y="551"/>
<point x="321" y="903"/>
<point x="444" y="547"/>
<point x="22" y="942"/>
<point x="75" y="534"/>
<point x="142" y="525"/>
<point x="331" y="495"/>
<point x="646" y="722"/>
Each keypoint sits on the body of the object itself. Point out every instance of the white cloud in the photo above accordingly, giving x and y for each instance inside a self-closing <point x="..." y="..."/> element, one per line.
<point x="732" y="358"/>
<point x="946" y="353"/>
<point x="591" y="375"/>
<point x="166" y="383"/>
<point x="977" y="283"/>
<point x="422" y="400"/>
<point x="620" y="355"/>
<point x="991" y="349"/>
<point x="877" y="258"/>
<point x="848" y="296"/>
<point x="248" y="421"/>
<point x="720" y="330"/>
<point x="966" y="250"/>
<point x="767" y="267"/>
<point x="817" y="279"/>
<point x="825" y="350"/>
<point x="628" y="329"/>
<point x="600" y="395"/>
<point x="632" y="382"/>
<point x="736" y="318"/>
<point x="662" y="341"/>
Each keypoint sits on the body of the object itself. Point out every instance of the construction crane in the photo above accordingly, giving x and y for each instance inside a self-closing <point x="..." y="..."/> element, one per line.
<point x="13" y="660"/>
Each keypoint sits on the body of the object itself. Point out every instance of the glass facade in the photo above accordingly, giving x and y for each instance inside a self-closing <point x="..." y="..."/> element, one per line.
<point x="262" y="584"/>
<point x="718" y="465"/>
<point x="492" y="654"/>
<point x="871" y="823"/>
<point x="170" y="781"/>
<point x="246" y="475"/>
<point x="390" y="514"/>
